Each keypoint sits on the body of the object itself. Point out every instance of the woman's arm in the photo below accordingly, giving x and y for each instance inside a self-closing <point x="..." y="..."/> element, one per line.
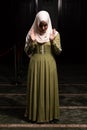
<point x="56" y="44"/>
<point x="30" y="43"/>
<point x="29" y="47"/>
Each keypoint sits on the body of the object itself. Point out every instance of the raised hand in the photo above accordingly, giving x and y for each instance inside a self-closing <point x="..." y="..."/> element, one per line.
<point x="52" y="35"/>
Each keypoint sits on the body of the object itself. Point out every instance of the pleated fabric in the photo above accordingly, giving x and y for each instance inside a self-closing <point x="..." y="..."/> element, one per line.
<point x="42" y="87"/>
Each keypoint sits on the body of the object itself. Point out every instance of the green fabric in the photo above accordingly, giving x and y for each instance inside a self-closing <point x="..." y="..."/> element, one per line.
<point x="42" y="86"/>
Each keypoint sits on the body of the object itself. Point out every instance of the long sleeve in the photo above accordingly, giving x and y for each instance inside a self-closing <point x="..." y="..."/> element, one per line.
<point x="56" y="44"/>
<point x="29" y="47"/>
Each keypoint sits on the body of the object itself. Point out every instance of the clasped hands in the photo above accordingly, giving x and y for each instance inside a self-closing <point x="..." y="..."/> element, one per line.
<point x="33" y="35"/>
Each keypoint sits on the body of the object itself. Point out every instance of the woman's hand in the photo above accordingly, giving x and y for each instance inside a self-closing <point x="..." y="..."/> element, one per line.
<point x="32" y="35"/>
<point x="52" y="35"/>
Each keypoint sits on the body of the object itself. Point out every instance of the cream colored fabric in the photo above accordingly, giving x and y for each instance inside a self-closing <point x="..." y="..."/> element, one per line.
<point x="41" y="16"/>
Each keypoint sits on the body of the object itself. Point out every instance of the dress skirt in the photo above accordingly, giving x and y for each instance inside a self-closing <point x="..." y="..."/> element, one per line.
<point x="42" y="87"/>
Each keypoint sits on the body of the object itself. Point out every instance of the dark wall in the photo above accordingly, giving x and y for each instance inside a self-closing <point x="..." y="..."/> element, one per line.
<point x="17" y="17"/>
<point x="72" y="27"/>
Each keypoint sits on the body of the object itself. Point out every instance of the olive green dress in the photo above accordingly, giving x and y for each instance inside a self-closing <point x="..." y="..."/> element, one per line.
<point x="42" y="83"/>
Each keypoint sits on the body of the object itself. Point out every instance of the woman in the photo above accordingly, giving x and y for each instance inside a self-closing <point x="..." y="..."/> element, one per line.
<point x="42" y="85"/>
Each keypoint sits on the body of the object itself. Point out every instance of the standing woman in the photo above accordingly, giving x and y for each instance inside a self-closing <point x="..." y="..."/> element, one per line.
<point x="42" y="83"/>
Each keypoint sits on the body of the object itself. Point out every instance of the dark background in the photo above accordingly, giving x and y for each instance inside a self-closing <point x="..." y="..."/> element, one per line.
<point x="17" y="17"/>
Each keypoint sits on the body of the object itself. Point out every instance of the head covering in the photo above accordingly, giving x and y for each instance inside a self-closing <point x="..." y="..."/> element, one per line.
<point x="41" y="16"/>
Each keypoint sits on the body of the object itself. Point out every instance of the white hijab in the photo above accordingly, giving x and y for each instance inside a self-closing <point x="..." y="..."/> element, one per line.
<point x="41" y="38"/>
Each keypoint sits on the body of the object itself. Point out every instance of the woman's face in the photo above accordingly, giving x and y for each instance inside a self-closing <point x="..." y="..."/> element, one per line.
<point x="43" y="27"/>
